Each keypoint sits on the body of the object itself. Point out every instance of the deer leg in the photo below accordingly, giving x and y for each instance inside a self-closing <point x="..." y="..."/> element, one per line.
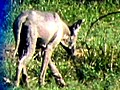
<point x="46" y="59"/>
<point x="25" y="76"/>
<point x="56" y="74"/>
<point x="19" y="70"/>
<point x="22" y="66"/>
<point x="23" y="62"/>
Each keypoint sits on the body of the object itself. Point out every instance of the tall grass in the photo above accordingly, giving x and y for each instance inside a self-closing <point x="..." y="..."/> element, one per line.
<point x="99" y="67"/>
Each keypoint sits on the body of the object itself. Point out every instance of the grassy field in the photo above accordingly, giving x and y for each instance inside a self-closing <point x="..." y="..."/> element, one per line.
<point x="97" y="64"/>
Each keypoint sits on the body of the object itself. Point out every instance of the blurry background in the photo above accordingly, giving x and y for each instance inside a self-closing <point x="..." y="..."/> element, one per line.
<point x="97" y="62"/>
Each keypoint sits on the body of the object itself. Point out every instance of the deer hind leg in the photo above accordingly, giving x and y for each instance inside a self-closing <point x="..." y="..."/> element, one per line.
<point x="24" y="60"/>
<point x="25" y="76"/>
<point x="19" y="69"/>
<point x="22" y="67"/>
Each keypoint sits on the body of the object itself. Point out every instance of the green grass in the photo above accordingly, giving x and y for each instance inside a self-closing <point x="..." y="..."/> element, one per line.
<point x="99" y="68"/>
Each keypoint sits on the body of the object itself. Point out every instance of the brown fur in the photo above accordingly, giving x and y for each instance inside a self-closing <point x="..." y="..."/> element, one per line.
<point x="30" y="26"/>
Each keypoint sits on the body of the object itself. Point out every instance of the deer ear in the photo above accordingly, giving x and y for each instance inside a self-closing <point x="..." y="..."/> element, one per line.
<point x="76" y="26"/>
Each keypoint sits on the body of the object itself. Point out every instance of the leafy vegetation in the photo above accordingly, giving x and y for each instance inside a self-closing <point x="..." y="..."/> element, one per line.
<point x="97" y="64"/>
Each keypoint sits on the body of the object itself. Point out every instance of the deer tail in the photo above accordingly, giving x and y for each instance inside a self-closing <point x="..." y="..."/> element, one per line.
<point x="17" y="27"/>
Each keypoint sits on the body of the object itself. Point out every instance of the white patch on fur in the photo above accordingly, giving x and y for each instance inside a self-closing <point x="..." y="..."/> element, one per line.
<point x="76" y="30"/>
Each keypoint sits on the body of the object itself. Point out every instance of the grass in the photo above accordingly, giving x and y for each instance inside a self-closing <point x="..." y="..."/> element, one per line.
<point x="99" y="67"/>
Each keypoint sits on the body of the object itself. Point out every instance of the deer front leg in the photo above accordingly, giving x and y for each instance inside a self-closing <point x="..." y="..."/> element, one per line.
<point x="46" y="59"/>
<point x="57" y="74"/>
<point x="47" y="56"/>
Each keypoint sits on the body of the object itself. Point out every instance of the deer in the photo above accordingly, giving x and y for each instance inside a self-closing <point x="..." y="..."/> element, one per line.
<point x="48" y="30"/>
